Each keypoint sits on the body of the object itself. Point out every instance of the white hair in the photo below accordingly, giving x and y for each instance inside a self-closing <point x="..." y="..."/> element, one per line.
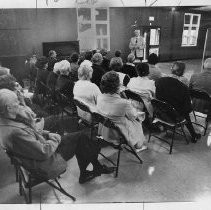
<point x="84" y="72"/>
<point x="63" y="67"/>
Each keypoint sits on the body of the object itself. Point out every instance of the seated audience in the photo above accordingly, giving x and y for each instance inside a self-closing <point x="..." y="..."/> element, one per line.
<point x="42" y="74"/>
<point x="116" y="65"/>
<point x="144" y="86"/>
<point x="175" y="93"/>
<point x="51" y="59"/>
<point x="177" y="72"/>
<point x="201" y="81"/>
<point x="154" y="71"/>
<point x="74" y="67"/>
<point x="85" y="90"/>
<point x="43" y="152"/>
<point x="63" y="84"/>
<point x="129" y="67"/>
<point x="98" y="70"/>
<point x="120" y="111"/>
<point x="106" y="61"/>
<point x="87" y="59"/>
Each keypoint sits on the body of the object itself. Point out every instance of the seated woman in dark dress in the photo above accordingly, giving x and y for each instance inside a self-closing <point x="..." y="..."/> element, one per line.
<point x="63" y="84"/>
<point x="176" y="93"/>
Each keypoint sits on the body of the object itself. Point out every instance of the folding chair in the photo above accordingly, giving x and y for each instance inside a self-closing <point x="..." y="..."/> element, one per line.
<point x="27" y="180"/>
<point x="202" y="98"/>
<point x="122" y="141"/>
<point x="167" y="116"/>
<point x="85" y="108"/>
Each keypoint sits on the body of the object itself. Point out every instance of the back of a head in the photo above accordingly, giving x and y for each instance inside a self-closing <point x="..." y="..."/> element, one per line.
<point x="6" y="98"/>
<point x="118" y="53"/>
<point x="110" y="82"/>
<point x="130" y="58"/>
<point x="63" y="67"/>
<point x="4" y="71"/>
<point x="116" y="64"/>
<point x="52" y="53"/>
<point x="207" y="63"/>
<point x="88" y="55"/>
<point x="97" y="58"/>
<point x="74" y="57"/>
<point x="153" y="59"/>
<point x="142" y="69"/>
<point x="85" y="72"/>
<point x="103" y="52"/>
<point x="180" y="68"/>
<point x="41" y="62"/>
<point x="8" y="82"/>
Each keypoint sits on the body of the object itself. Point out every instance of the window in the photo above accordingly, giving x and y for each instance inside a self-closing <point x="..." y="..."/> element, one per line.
<point x="190" y="29"/>
<point x="93" y="28"/>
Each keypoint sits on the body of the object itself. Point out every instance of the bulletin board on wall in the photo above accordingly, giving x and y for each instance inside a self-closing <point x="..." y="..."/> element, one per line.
<point x="62" y="48"/>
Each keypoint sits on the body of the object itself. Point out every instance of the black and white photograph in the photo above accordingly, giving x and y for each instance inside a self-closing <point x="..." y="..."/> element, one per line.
<point x="105" y="104"/>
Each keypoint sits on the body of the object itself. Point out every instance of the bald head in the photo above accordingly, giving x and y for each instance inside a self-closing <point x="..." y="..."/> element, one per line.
<point x="207" y="63"/>
<point x="8" y="102"/>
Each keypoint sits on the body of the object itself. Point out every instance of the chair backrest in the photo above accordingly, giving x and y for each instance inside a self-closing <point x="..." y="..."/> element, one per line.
<point x="200" y="94"/>
<point x="165" y="112"/>
<point x="105" y="121"/>
<point x="81" y="105"/>
<point x="133" y="95"/>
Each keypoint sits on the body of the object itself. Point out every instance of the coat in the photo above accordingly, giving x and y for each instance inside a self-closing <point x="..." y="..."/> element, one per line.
<point x="121" y="112"/>
<point x="98" y="72"/>
<point x="36" y="153"/>
<point x="175" y="93"/>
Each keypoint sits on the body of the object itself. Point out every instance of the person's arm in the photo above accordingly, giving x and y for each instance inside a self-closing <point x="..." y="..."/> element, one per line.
<point x="28" y="145"/>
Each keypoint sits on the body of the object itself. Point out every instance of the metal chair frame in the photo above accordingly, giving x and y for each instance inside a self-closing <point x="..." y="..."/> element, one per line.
<point x="202" y="95"/>
<point x="120" y="146"/>
<point x="28" y="180"/>
<point x="176" y="121"/>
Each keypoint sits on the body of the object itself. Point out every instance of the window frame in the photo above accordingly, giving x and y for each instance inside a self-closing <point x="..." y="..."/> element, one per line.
<point x="190" y="26"/>
<point x="94" y="22"/>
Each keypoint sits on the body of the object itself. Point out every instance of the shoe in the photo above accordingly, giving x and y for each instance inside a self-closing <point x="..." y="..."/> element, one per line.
<point x="104" y="170"/>
<point x="144" y="147"/>
<point x="86" y="176"/>
<point x="196" y="137"/>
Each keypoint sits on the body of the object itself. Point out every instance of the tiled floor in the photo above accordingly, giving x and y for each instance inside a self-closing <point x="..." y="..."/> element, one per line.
<point x="183" y="176"/>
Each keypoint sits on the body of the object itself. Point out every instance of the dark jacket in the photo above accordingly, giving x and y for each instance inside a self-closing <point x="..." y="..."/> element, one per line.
<point x="105" y="64"/>
<point x="174" y="92"/>
<point x="65" y="86"/>
<point x="42" y="75"/>
<point x="130" y="70"/>
<point x="98" y="72"/>
<point x="51" y="62"/>
<point x="51" y="80"/>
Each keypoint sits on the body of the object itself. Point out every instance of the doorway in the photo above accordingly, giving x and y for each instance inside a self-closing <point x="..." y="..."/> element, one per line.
<point x="152" y="39"/>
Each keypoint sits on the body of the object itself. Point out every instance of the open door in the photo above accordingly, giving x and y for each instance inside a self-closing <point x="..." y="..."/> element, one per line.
<point x="152" y="39"/>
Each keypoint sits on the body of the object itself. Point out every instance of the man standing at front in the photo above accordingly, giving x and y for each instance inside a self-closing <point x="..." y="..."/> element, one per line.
<point x="137" y="45"/>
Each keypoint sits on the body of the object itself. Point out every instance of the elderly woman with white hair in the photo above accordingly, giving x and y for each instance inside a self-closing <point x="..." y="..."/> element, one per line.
<point x="63" y="84"/>
<point x="85" y="90"/>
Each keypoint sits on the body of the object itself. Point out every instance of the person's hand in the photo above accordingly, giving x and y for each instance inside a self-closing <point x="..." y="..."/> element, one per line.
<point x="55" y="137"/>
